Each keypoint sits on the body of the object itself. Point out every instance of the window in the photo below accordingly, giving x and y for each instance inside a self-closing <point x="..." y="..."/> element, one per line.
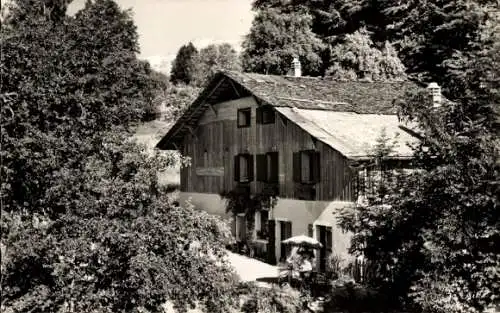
<point x="243" y="168"/>
<point x="244" y="116"/>
<point x="268" y="167"/>
<point x="265" y="115"/>
<point x="306" y="167"/>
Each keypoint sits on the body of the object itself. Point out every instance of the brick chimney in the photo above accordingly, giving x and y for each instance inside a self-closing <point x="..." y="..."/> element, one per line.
<point x="297" y="67"/>
<point x="435" y="93"/>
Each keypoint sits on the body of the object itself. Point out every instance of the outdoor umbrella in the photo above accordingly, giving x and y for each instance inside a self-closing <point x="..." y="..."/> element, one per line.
<point x="303" y="241"/>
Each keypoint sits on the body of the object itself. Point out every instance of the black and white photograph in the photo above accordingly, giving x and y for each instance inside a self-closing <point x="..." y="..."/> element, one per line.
<point x="250" y="156"/>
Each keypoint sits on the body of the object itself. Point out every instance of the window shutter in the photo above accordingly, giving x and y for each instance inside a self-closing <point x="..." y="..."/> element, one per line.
<point x="250" y="167"/>
<point x="316" y="166"/>
<point x="236" y="165"/>
<point x="272" y="116"/>
<point x="258" y="115"/>
<point x="296" y="167"/>
<point x="288" y="227"/>
<point x="310" y="231"/>
<point x="261" y="167"/>
<point x="274" y="175"/>
<point x="329" y="239"/>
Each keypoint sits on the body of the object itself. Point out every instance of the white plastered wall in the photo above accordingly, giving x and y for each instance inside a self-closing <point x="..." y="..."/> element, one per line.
<point x="300" y="213"/>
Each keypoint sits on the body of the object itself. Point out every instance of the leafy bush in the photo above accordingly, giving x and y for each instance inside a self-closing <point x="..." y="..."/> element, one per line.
<point x="347" y="296"/>
<point x="263" y="300"/>
<point x="118" y="246"/>
<point x="86" y="226"/>
<point x="432" y="236"/>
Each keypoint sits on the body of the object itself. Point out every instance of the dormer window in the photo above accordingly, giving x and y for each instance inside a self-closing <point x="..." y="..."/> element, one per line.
<point x="265" y="115"/>
<point x="244" y="117"/>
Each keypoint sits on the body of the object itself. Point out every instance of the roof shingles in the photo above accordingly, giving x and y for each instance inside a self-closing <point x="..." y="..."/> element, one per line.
<point x="324" y="93"/>
<point x="368" y="107"/>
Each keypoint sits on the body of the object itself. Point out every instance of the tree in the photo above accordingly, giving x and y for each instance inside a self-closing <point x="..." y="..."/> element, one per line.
<point x="54" y="10"/>
<point x="183" y="65"/>
<point x="433" y="237"/>
<point x="430" y="37"/>
<point x="329" y="19"/>
<point x="176" y="99"/>
<point x="95" y="85"/>
<point x="358" y="58"/>
<point x="213" y="58"/>
<point x="276" y="38"/>
<point x="83" y="216"/>
<point x="120" y="245"/>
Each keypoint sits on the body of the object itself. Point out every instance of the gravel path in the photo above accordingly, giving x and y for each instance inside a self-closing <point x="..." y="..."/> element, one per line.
<point x="250" y="269"/>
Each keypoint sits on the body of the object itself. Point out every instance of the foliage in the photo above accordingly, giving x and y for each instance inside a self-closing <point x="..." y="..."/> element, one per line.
<point x="357" y="58"/>
<point x="263" y="300"/>
<point x="434" y="39"/>
<point x="156" y="107"/>
<point x="328" y="18"/>
<point x="192" y="73"/>
<point x="118" y="247"/>
<point x="85" y="225"/>
<point x="275" y="38"/>
<point x="70" y="90"/>
<point x="430" y="35"/>
<point x="175" y="99"/>
<point x="214" y="58"/>
<point x="444" y="259"/>
<point x="19" y="10"/>
<point x="183" y="66"/>
<point x="241" y="200"/>
<point x="347" y="296"/>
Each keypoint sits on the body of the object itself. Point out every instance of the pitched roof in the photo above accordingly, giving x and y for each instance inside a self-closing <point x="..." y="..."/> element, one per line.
<point x="324" y="93"/>
<point x="312" y="103"/>
<point x="352" y="134"/>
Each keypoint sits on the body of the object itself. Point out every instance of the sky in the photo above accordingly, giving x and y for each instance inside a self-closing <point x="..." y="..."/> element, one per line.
<point x="165" y="25"/>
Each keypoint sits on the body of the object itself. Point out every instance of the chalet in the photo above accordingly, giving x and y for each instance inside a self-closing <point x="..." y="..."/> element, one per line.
<point x="299" y="135"/>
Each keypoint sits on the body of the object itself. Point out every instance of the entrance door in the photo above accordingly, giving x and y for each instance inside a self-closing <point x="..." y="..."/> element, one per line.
<point x="285" y="233"/>
<point x="325" y="237"/>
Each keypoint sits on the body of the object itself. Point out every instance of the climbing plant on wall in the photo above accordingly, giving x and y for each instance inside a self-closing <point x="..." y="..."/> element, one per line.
<point x="241" y="200"/>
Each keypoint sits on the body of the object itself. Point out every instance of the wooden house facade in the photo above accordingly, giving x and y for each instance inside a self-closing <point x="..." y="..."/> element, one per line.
<point x="296" y="136"/>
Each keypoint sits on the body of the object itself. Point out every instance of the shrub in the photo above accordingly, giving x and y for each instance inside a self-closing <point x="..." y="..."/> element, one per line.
<point x="268" y="300"/>
<point x="348" y="296"/>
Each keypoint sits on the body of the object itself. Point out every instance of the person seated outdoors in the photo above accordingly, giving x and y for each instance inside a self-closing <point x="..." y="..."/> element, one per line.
<point x="305" y="266"/>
